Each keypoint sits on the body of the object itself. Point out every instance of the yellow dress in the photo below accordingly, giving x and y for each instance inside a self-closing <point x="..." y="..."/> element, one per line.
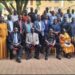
<point x="66" y="48"/>
<point x="3" y="36"/>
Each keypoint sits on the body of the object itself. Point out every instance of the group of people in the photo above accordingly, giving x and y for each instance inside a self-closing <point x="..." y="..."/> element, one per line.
<point x="29" y="31"/>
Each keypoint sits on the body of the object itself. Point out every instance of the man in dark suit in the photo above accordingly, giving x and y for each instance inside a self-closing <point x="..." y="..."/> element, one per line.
<point x="14" y="40"/>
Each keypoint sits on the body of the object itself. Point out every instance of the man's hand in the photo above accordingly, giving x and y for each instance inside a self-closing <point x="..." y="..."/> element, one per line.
<point x="17" y="44"/>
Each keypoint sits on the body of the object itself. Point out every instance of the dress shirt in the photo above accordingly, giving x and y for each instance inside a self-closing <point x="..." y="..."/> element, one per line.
<point x="15" y="40"/>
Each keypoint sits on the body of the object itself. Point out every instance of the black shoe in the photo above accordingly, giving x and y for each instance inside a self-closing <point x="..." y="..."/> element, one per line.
<point x="69" y="57"/>
<point x="36" y="57"/>
<point x="58" y="57"/>
<point x="46" y="58"/>
<point x="18" y="60"/>
<point x="27" y="58"/>
<point x="11" y="58"/>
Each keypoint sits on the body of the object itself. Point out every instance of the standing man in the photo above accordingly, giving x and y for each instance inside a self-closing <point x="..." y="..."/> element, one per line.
<point x="73" y="13"/>
<point x="39" y="28"/>
<point x="32" y="39"/>
<point x="32" y="15"/>
<point x="10" y="25"/>
<point x="36" y="14"/>
<point x="25" y="16"/>
<point x="47" y="24"/>
<point x="15" y="44"/>
<point x="27" y="26"/>
<point x="14" y="16"/>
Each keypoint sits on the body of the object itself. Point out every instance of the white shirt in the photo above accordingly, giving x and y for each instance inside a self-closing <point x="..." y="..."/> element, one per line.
<point x="52" y="19"/>
<point x="14" y="18"/>
<point x="15" y="40"/>
<point x="73" y="15"/>
<point x="32" y="38"/>
<point x="10" y="25"/>
<point x="40" y="25"/>
<point x="49" y="14"/>
<point x="69" y="19"/>
<point x="46" y="21"/>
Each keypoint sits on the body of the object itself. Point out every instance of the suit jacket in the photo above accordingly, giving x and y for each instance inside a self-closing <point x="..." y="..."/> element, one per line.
<point x="47" y="26"/>
<point x="16" y="24"/>
<point x="37" y="27"/>
<point x="25" y="27"/>
<point x="32" y="38"/>
<point x="11" y="38"/>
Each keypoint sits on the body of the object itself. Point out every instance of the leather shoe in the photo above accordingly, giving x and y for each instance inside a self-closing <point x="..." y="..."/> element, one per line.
<point x="18" y="60"/>
<point x="58" y="58"/>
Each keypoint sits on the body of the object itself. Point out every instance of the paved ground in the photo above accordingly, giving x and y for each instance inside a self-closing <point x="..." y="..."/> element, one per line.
<point x="33" y="66"/>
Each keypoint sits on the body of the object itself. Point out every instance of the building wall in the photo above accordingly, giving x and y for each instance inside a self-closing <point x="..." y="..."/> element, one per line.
<point x="64" y="5"/>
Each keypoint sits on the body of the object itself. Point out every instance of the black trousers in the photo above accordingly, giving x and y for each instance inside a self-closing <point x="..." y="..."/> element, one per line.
<point x="42" y="42"/>
<point x="58" y="50"/>
<point x="28" y="50"/>
<point x="19" y="52"/>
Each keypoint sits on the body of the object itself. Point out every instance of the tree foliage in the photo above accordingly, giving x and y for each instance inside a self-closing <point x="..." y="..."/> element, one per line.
<point x="20" y="5"/>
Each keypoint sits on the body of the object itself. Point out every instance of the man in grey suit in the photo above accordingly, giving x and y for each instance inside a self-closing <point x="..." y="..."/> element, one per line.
<point x="40" y="28"/>
<point x="32" y="39"/>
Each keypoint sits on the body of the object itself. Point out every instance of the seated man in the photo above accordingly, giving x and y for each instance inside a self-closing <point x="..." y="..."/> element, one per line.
<point x="50" y="41"/>
<point x="32" y="39"/>
<point x="15" y="44"/>
<point x="66" y="44"/>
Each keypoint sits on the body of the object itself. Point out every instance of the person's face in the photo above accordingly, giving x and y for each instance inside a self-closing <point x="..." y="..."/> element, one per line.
<point x="36" y="11"/>
<point x="16" y="30"/>
<point x="20" y="17"/>
<point x="29" y="20"/>
<point x="47" y="9"/>
<point x="9" y="17"/>
<point x="31" y="9"/>
<point x="65" y="19"/>
<point x="15" y="12"/>
<point x="59" y="20"/>
<point x="25" y="13"/>
<point x="46" y="17"/>
<point x="68" y="11"/>
<point x="55" y="21"/>
<point x="53" y="13"/>
<point x="51" y="31"/>
<point x="72" y="11"/>
<point x="32" y="30"/>
<point x="59" y="10"/>
<point x="39" y="18"/>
